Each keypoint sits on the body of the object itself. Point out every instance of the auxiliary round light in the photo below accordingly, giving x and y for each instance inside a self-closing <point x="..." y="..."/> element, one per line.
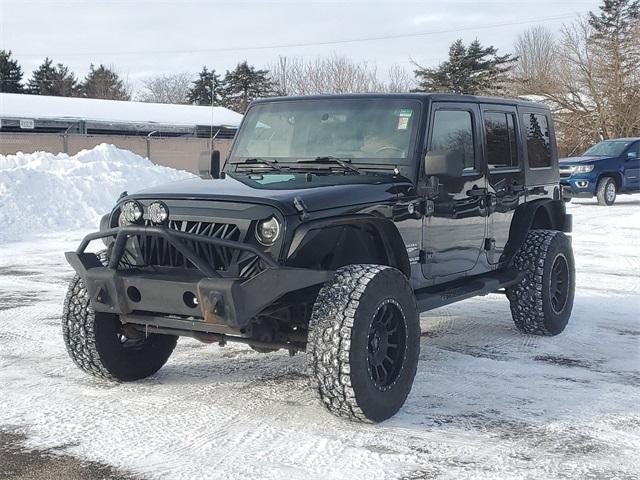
<point x="131" y="211"/>
<point x="158" y="212"/>
<point x="268" y="231"/>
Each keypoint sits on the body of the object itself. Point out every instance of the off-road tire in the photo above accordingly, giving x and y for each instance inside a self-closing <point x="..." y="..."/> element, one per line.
<point x="340" y="339"/>
<point x="606" y="191"/>
<point x="534" y="307"/>
<point x="94" y="343"/>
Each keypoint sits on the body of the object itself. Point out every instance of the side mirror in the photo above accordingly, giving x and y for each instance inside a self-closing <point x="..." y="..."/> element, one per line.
<point x="446" y="164"/>
<point x="209" y="165"/>
<point x="632" y="155"/>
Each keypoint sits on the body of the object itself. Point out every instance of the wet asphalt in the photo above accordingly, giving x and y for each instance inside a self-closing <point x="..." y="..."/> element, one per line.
<point x="18" y="462"/>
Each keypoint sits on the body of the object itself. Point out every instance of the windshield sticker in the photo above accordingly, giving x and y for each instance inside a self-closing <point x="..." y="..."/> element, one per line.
<point x="403" y="123"/>
<point x="406" y="113"/>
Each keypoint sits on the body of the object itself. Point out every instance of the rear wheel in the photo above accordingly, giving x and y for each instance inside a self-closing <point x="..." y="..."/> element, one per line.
<point x="541" y="303"/>
<point x="606" y="191"/>
<point x="100" y="345"/>
<point x="364" y="342"/>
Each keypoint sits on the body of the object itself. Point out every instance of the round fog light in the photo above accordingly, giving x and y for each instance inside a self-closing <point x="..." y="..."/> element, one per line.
<point x="132" y="211"/>
<point x="267" y="231"/>
<point x="158" y="212"/>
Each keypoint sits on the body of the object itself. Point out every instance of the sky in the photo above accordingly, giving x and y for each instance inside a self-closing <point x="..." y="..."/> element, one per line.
<point x="141" y="38"/>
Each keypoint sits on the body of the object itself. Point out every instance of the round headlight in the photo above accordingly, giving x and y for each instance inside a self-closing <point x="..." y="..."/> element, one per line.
<point x="158" y="212"/>
<point x="267" y="231"/>
<point x="131" y="212"/>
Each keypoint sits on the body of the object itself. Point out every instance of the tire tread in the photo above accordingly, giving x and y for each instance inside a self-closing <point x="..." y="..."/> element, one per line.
<point x="329" y="339"/>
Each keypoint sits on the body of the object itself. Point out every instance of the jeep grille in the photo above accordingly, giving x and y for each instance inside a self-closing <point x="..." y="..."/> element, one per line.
<point x="151" y="250"/>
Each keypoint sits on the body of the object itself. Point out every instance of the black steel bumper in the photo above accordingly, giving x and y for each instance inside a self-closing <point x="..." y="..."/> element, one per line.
<point x="202" y="298"/>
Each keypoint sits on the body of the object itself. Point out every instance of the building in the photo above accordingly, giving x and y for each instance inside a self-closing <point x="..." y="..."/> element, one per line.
<point x="171" y="135"/>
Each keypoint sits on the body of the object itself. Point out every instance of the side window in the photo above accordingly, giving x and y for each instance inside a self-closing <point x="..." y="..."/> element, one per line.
<point x="536" y="127"/>
<point x="635" y="149"/>
<point x="452" y="133"/>
<point x="502" y="150"/>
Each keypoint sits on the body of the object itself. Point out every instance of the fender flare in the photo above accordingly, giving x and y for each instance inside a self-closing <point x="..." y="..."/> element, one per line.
<point x="541" y="213"/>
<point x="388" y="234"/>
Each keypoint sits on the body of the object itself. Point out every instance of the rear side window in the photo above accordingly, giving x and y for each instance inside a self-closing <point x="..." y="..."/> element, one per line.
<point x="500" y="131"/>
<point x="453" y="133"/>
<point x="536" y="126"/>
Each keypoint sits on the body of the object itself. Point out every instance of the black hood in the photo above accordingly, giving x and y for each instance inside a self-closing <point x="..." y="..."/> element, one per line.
<point x="317" y="191"/>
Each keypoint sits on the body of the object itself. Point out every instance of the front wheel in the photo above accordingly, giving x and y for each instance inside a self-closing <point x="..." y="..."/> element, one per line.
<point x="606" y="191"/>
<point x="541" y="303"/>
<point x="100" y="346"/>
<point x="364" y="342"/>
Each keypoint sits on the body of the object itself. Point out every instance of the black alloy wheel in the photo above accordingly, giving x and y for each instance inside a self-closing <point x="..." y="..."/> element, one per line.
<point x="559" y="284"/>
<point x="386" y="344"/>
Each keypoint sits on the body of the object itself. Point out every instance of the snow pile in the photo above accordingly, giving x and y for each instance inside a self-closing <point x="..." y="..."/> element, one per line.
<point x="42" y="192"/>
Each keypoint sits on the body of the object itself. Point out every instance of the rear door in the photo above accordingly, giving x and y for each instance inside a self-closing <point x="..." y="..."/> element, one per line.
<point x="505" y="174"/>
<point x="454" y="233"/>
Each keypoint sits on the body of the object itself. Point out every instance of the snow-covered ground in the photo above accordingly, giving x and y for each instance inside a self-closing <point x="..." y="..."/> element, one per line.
<point x="487" y="402"/>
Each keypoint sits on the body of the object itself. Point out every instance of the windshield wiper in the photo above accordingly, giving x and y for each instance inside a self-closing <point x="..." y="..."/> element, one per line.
<point x="328" y="159"/>
<point x="262" y="161"/>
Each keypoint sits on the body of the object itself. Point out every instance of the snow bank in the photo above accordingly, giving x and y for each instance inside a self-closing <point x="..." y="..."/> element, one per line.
<point x="42" y="192"/>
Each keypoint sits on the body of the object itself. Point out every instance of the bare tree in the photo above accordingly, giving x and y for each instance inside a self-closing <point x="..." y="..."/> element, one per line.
<point x="595" y="99"/>
<point x="399" y="80"/>
<point x="537" y="58"/>
<point x="334" y="74"/>
<point x="593" y="84"/>
<point x="173" y="88"/>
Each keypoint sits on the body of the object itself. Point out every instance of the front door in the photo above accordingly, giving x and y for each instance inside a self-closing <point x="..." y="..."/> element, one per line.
<point x="453" y="234"/>
<point x="632" y="168"/>
<point x="505" y="174"/>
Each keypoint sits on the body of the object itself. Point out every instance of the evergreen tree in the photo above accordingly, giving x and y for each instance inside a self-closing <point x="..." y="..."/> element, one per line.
<point x="244" y="84"/>
<point x="52" y="80"/>
<point x="10" y="74"/>
<point x="41" y="81"/>
<point x="617" y="22"/>
<point x="207" y="89"/>
<point x="65" y="83"/>
<point x="472" y="70"/>
<point x="615" y="42"/>
<point x="102" y="82"/>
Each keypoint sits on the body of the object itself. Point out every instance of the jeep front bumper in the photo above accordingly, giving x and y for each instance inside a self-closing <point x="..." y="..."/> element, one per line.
<point x="199" y="299"/>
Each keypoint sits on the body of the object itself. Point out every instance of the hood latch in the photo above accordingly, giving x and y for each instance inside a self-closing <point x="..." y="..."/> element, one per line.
<point x="299" y="205"/>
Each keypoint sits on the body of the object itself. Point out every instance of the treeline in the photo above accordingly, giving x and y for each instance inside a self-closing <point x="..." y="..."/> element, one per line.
<point x="58" y="80"/>
<point x="589" y="74"/>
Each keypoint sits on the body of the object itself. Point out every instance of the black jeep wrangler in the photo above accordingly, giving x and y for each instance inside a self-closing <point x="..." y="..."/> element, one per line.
<point x="335" y="221"/>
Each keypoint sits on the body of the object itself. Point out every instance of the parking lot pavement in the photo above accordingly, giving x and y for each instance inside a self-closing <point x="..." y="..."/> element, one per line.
<point x="20" y="462"/>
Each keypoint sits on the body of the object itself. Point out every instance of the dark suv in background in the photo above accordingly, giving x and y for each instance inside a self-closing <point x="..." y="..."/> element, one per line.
<point x="605" y="170"/>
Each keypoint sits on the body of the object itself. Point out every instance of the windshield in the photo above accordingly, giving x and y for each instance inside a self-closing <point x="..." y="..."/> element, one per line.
<point x="608" y="148"/>
<point x="360" y="130"/>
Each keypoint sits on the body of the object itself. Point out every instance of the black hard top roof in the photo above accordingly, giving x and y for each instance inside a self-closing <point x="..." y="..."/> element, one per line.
<point x="423" y="97"/>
